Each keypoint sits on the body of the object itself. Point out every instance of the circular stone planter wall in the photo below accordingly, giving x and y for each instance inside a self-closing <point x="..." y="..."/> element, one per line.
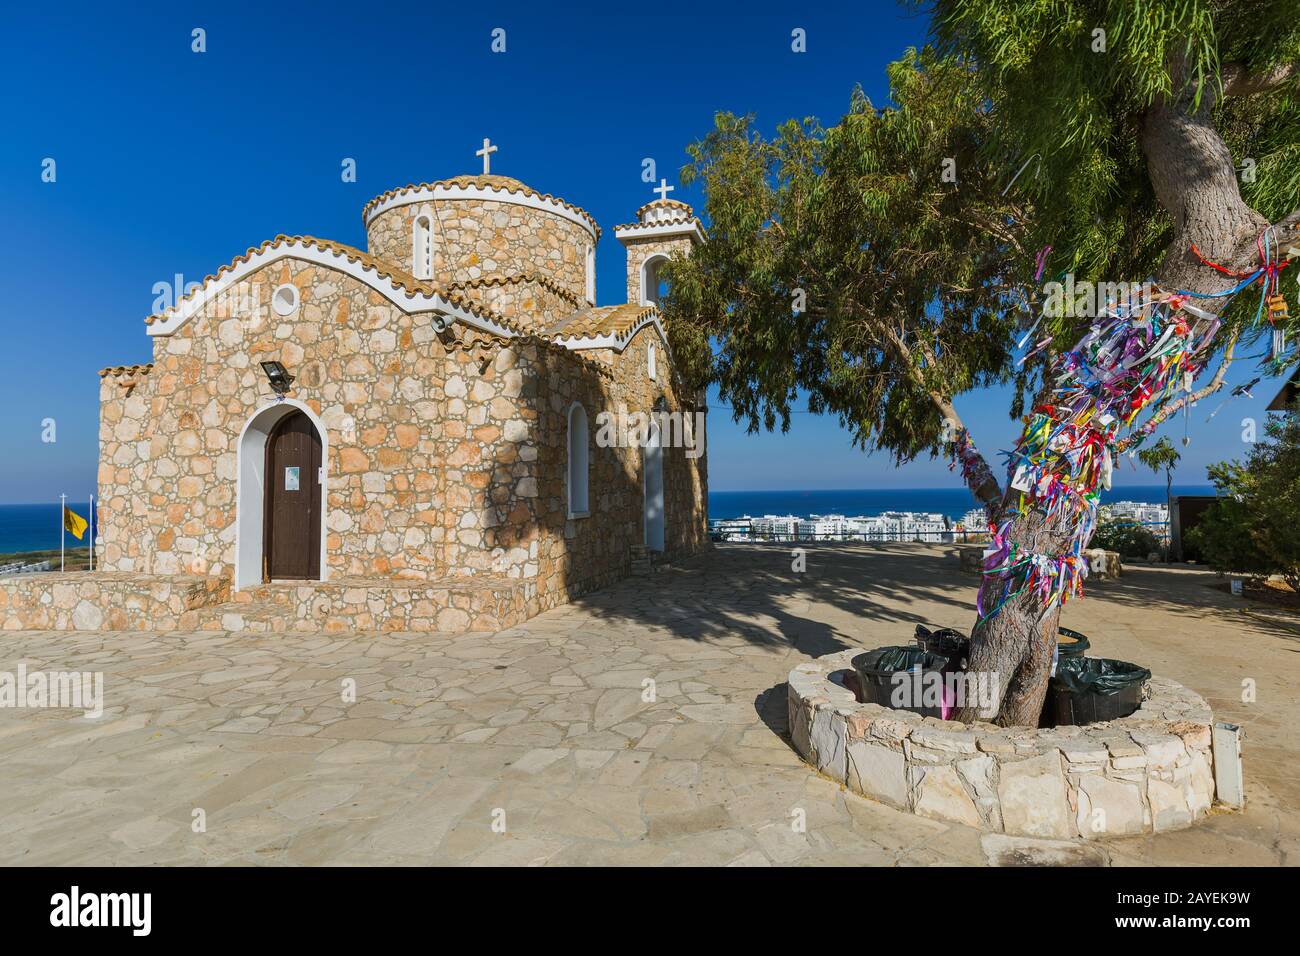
<point x="1148" y="772"/>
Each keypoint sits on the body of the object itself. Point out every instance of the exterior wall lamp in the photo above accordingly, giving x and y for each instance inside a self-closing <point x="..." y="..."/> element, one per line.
<point x="278" y="376"/>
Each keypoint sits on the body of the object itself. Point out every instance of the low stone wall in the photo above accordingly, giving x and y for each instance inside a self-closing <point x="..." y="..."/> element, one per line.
<point x="1148" y="772"/>
<point x="337" y="606"/>
<point x="120" y="601"/>
<point x="105" y="601"/>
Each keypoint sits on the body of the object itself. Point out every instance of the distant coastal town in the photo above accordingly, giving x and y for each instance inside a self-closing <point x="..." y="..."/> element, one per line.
<point x="903" y="525"/>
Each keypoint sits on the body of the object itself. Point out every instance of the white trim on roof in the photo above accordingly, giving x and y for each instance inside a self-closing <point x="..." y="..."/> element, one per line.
<point x="635" y="231"/>
<point x="612" y="341"/>
<point x="431" y="193"/>
<point x="411" y="303"/>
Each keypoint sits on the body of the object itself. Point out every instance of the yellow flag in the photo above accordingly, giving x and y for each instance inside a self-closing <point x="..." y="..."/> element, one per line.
<point x="74" y="522"/>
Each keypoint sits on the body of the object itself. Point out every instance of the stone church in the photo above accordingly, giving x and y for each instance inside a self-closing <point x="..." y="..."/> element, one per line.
<point x="402" y="438"/>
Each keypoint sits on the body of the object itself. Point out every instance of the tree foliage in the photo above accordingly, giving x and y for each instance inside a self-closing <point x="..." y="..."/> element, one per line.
<point x="1162" y="456"/>
<point x="1076" y="101"/>
<point x="901" y="276"/>
<point x="1127" y="538"/>
<point x="1251" y="528"/>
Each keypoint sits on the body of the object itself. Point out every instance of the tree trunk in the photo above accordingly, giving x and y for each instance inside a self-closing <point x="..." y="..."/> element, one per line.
<point x="1195" y="180"/>
<point x="1013" y="648"/>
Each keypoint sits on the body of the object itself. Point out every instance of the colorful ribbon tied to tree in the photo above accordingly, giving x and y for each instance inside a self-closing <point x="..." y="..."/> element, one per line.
<point x="1136" y="356"/>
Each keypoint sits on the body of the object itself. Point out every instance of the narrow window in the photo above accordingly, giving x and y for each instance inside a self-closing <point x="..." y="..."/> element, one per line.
<point x="422" y="257"/>
<point x="591" y="274"/>
<point x="577" y="462"/>
<point x="650" y="361"/>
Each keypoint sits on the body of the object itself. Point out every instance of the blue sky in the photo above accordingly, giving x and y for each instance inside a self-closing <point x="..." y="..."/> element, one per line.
<point x="173" y="162"/>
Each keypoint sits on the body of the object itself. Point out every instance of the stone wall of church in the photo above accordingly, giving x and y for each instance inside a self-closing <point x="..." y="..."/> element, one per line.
<point x="686" y="490"/>
<point x="446" y="454"/>
<point x="372" y="374"/>
<point x="474" y="238"/>
<point x="528" y="303"/>
<point x="507" y="487"/>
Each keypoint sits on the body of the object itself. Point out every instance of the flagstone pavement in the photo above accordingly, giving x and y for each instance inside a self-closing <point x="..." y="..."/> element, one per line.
<point x="539" y="745"/>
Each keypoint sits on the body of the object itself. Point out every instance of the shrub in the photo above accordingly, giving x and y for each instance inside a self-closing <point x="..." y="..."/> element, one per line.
<point x="1252" y="528"/>
<point x="1129" y="539"/>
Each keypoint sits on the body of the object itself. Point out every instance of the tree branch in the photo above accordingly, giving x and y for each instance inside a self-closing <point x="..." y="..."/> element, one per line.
<point x="988" y="492"/>
<point x="1238" y="81"/>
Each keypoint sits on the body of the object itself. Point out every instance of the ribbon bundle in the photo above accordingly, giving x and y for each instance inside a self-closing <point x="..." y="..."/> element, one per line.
<point x="975" y="471"/>
<point x="1138" y="355"/>
<point x="1054" y="580"/>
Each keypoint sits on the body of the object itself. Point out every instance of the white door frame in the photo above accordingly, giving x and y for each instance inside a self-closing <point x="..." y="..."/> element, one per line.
<point x="250" y="498"/>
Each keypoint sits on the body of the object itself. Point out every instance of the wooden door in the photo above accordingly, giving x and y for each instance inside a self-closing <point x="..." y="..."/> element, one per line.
<point x="293" y="510"/>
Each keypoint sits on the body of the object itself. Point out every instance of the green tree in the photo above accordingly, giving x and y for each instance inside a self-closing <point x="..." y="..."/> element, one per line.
<point x="909" y="240"/>
<point x="1129" y="539"/>
<point x="1162" y="456"/>
<point x="1251" y="529"/>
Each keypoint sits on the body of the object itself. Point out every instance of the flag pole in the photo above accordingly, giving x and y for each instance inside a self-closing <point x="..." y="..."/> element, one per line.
<point x="63" y="521"/>
<point x="90" y="545"/>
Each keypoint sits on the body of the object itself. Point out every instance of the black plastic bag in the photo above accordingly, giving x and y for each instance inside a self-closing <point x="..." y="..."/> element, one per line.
<point x="1099" y="675"/>
<point x="946" y="642"/>
<point x="905" y="658"/>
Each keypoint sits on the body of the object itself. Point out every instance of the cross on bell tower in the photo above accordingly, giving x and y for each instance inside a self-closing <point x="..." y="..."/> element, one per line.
<point x="663" y="189"/>
<point x="486" y="152"/>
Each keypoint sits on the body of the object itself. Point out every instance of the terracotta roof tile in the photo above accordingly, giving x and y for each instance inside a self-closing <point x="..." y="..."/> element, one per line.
<point x="599" y="321"/>
<point x="119" y="371"/>
<point x="518" y="278"/>
<point x="666" y="203"/>
<point x="487" y="182"/>
<point x="676" y="221"/>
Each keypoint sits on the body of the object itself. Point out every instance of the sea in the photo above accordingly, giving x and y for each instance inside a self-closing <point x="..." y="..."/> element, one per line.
<point x="36" y="527"/>
<point x="952" y="502"/>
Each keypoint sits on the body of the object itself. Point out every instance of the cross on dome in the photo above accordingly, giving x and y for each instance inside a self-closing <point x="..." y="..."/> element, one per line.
<point x="486" y="152"/>
<point x="663" y="189"/>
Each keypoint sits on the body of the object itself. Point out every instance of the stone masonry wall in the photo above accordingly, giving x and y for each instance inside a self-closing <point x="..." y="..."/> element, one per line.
<point x="371" y="373"/>
<point x="447" y="453"/>
<point x="474" y="238"/>
<point x="507" y="495"/>
<point x="1148" y="772"/>
<point x="527" y="302"/>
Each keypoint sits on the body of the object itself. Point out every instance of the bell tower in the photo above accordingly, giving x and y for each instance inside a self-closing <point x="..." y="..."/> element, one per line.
<point x="663" y="227"/>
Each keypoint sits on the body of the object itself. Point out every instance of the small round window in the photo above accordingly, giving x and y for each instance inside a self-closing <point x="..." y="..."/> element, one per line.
<point x="285" y="299"/>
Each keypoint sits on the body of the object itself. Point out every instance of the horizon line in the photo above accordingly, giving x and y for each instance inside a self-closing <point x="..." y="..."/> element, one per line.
<point x="762" y="491"/>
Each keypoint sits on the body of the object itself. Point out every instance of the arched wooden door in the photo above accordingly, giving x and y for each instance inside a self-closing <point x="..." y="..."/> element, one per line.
<point x="291" y="540"/>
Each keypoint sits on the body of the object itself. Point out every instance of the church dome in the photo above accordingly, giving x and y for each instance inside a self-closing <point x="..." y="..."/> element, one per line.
<point x="473" y="227"/>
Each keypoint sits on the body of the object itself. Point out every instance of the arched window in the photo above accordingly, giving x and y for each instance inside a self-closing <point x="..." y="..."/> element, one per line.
<point x="652" y="287"/>
<point x="422" y="248"/>
<point x="577" y="477"/>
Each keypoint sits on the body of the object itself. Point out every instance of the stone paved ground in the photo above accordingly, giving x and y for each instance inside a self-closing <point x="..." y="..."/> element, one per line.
<point x="546" y="722"/>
